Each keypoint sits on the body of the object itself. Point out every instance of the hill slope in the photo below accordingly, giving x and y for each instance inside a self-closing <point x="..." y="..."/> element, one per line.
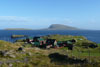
<point x="61" y="27"/>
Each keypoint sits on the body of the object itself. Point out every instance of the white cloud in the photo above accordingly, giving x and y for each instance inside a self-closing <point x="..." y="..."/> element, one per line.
<point x="13" y="19"/>
<point x="48" y="21"/>
<point x="27" y="22"/>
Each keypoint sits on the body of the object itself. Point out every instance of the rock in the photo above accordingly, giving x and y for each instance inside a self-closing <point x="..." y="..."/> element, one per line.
<point x="10" y="65"/>
<point x="7" y="54"/>
<point x="4" y="53"/>
<point x="11" y="51"/>
<point x="24" y="50"/>
<point x="80" y="39"/>
<point x="12" y="56"/>
<point x="20" y="49"/>
<point x="37" y="49"/>
<point x="29" y="54"/>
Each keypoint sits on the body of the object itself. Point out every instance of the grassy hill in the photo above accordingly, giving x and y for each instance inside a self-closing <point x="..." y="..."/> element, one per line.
<point x="61" y="27"/>
<point x="35" y="57"/>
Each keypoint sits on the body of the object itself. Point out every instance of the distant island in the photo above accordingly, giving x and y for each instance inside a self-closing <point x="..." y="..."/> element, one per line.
<point x="17" y="29"/>
<point x="61" y="27"/>
<point x="51" y="27"/>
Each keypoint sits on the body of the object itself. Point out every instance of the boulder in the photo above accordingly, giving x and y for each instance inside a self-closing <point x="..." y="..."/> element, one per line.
<point x="11" y="56"/>
<point x="10" y="65"/>
<point x="29" y="54"/>
<point x="20" y="49"/>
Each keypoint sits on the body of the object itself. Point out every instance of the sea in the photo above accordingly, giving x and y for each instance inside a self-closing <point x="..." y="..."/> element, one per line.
<point x="92" y="35"/>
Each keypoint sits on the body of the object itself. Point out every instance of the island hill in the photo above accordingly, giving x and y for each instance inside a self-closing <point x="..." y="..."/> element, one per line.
<point x="51" y="27"/>
<point x="17" y="29"/>
<point x="61" y="27"/>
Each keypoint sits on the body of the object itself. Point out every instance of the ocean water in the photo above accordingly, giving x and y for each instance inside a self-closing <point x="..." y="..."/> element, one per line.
<point x="93" y="35"/>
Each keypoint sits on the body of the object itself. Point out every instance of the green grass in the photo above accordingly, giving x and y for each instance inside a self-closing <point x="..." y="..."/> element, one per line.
<point x="39" y="57"/>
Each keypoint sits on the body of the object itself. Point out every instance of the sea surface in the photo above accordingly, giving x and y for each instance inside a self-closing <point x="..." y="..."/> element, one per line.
<point x="93" y="35"/>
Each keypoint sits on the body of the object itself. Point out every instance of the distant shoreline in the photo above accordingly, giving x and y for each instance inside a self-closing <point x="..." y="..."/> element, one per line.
<point x="17" y="29"/>
<point x="51" y="27"/>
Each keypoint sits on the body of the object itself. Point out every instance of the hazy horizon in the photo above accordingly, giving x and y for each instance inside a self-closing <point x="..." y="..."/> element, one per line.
<point x="38" y="14"/>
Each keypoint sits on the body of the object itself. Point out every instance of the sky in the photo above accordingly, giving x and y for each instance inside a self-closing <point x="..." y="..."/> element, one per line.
<point x="37" y="14"/>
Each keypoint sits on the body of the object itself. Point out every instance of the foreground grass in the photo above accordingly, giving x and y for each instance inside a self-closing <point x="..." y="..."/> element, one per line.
<point x="36" y="57"/>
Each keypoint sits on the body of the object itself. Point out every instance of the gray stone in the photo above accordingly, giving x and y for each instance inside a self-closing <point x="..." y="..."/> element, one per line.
<point x="37" y="49"/>
<point x="29" y="54"/>
<point x="10" y="65"/>
<point x="7" y="54"/>
<point x="3" y="53"/>
<point x="12" y="56"/>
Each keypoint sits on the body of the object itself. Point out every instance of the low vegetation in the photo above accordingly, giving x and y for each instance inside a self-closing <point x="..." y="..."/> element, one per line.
<point x="17" y="55"/>
<point x="17" y="36"/>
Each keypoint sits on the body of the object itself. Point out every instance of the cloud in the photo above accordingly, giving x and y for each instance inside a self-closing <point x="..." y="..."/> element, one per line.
<point x="27" y="22"/>
<point x="13" y="19"/>
<point x="48" y="21"/>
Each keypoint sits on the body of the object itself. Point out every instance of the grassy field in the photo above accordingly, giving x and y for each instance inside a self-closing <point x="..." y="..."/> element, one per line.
<point x="62" y="57"/>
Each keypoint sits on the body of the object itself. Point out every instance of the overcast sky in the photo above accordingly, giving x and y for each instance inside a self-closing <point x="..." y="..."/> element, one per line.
<point x="38" y="14"/>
